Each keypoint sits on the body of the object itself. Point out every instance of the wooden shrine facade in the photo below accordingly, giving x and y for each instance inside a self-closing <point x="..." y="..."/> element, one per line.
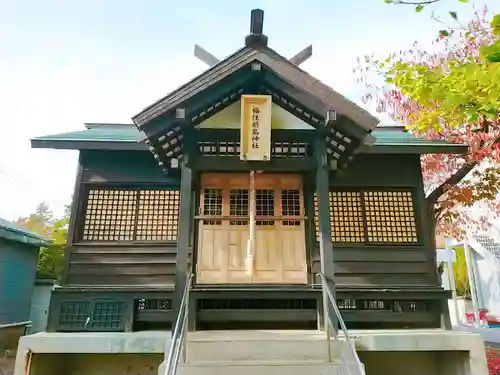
<point x="335" y="195"/>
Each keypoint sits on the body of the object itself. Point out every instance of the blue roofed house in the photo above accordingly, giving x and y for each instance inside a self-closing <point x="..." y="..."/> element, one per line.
<point x="19" y="249"/>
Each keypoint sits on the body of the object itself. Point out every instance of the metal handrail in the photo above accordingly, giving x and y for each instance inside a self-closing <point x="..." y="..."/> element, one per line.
<point x="179" y="337"/>
<point x="327" y="290"/>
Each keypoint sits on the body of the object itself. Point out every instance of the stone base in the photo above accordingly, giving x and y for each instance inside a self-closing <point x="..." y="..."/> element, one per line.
<point x="9" y="337"/>
<point x="395" y="352"/>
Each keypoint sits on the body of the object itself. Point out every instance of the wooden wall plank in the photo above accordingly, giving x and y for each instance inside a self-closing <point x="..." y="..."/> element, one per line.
<point x="124" y="258"/>
<point x="166" y="281"/>
<point x="381" y="267"/>
<point x="381" y="280"/>
<point x="365" y="170"/>
<point x="122" y="269"/>
<point x="126" y="264"/>
<point x="123" y="167"/>
<point x="379" y="255"/>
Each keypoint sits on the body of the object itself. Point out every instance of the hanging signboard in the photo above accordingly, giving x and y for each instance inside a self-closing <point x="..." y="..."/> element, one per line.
<point x="255" y="136"/>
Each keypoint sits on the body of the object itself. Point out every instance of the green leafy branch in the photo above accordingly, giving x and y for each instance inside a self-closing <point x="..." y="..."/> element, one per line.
<point x="490" y="53"/>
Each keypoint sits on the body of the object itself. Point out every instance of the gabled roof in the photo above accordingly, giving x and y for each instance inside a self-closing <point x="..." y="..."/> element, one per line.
<point x="125" y="137"/>
<point x="13" y="232"/>
<point x="314" y="94"/>
<point x="169" y="124"/>
<point x="259" y="70"/>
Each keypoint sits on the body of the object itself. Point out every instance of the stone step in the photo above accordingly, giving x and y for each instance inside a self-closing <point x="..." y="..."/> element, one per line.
<point x="262" y="346"/>
<point x="261" y="350"/>
<point x="268" y="367"/>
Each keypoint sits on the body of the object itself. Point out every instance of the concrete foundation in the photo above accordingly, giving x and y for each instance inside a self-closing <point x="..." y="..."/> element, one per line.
<point x="408" y="352"/>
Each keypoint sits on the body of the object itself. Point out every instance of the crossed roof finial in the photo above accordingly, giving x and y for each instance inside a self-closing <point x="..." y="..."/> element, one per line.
<point x="255" y="39"/>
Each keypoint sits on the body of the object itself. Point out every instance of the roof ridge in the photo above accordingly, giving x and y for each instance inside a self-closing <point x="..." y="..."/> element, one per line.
<point x="15" y="228"/>
<point x="243" y="51"/>
<point x="94" y="125"/>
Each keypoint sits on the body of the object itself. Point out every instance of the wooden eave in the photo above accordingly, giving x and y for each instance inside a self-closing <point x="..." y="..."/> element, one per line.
<point x="125" y="139"/>
<point x="58" y="144"/>
<point x="62" y="144"/>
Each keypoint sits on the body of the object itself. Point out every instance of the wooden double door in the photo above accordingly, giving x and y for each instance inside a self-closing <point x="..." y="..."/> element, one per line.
<point x="279" y="250"/>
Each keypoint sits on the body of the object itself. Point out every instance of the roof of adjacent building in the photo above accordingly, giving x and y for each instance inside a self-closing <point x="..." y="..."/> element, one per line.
<point x="389" y="139"/>
<point x="13" y="232"/>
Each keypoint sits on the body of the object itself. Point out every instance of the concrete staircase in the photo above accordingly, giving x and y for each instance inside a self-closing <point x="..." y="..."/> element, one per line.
<point x="263" y="352"/>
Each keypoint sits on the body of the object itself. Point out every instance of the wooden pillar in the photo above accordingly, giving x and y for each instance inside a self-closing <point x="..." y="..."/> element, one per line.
<point x="76" y="218"/>
<point x="183" y="238"/>
<point x="325" y="235"/>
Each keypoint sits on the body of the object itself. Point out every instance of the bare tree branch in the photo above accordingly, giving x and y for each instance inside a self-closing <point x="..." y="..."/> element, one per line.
<point x="454" y="178"/>
<point x="451" y="181"/>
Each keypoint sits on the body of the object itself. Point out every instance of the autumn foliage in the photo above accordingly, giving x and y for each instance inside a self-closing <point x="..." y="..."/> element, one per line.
<point x="493" y="357"/>
<point x="451" y="93"/>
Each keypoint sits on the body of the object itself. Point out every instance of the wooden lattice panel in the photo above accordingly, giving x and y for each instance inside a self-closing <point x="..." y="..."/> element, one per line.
<point x="158" y="215"/>
<point x="279" y="149"/>
<point x="212" y="205"/>
<point x="264" y="205"/>
<point x="371" y="217"/>
<point x="290" y="205"/>
<point x="74" y="314"/>
<point x="238" y="205"/>
<point x="131" y="215"/>
<point x="346" y="217"/>
<point x="390" y="217"/>
<point x="110" y="215"/>
<point x="107" y="315"/>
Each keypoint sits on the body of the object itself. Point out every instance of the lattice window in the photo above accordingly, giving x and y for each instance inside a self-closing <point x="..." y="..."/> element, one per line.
<point x="279" y="149"/>
<point x="390" y="216"/>
<point x="107" y="315"/>
<point x="265" y="205"/>
<point x="290" y="205"/>
<point x="74" y="314"/>
<point x="212" y="205"/>
<point x="289" y="149"/>
<point x="371" y="217"/>
<point x="110" y="215"/>
<point x="238" y="205"/>
<point x="346" y="217"/>
<point x="131" y="215"/>
<point x="153" y="304"/>
<point x="347" y="304"/>
<point x="396" y="306"/>
<point x="158" y="215"/>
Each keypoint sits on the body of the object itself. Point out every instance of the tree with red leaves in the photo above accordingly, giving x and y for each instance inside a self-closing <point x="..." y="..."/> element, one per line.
<point x="451" y="93"/>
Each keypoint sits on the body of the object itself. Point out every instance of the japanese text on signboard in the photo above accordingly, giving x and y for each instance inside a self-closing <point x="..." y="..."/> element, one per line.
<point x="255" y="127"/>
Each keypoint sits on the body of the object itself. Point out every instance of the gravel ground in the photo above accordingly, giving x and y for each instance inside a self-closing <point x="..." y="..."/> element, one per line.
<point x="7" y="366"/>
<point x="493" y="349"/>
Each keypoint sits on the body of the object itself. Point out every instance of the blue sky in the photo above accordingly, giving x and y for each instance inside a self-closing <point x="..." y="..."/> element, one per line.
<point x="66" y="62"/>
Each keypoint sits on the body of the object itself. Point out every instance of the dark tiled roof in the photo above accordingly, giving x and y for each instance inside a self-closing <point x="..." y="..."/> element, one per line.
<point x="327" y="98"/>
